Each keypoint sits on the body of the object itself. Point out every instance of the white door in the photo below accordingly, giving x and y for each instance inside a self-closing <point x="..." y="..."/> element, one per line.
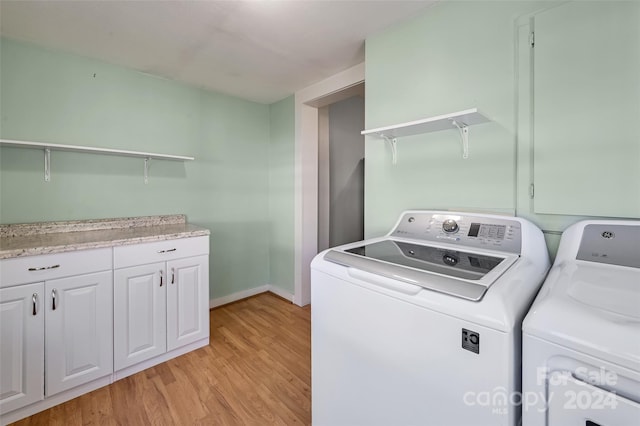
<point x="187" y="301"/>
<point x="140" y="303"/>
<point x="22" y="346"/>
<point x="79" y="330"/>
<point x="573" y="402"/>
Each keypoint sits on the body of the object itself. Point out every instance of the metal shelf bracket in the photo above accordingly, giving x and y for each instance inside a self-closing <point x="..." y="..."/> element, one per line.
<point x="393" y="143"/>
<point x="47" y="164"/>
<point x="146" y="170"/>
<point x="463" y="129"/>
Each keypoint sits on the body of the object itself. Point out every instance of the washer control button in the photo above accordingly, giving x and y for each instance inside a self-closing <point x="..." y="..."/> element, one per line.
<point x="450" y="226"/>
<point x="449" y="259"/>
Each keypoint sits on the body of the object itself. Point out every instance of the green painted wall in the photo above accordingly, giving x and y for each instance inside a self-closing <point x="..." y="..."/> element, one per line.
<point x="460" y="55"/>
<point x="281" y="194"/>
<point x="456" y="56"/>
<point x="61" y="98"/>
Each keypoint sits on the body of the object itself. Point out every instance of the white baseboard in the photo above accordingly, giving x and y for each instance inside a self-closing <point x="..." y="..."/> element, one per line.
<point x="234" y="297"/>
<point x="280" y="292"/>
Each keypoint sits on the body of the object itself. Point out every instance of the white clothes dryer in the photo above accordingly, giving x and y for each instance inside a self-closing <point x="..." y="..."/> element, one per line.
<point x="423" y="326"/>
<point x="581" y="338"/>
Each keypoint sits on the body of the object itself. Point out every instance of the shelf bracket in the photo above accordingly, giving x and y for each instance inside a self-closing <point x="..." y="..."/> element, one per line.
<point x="393" y="143"/>
<point x="146" y="170"/>
<point x="464" y="136"/>
<point x="47" y="164"/>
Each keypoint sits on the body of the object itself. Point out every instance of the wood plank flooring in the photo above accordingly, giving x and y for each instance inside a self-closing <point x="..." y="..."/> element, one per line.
<point x="255" y="371"/>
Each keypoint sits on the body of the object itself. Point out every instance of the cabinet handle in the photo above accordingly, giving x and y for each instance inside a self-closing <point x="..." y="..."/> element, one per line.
<point x="160" y="278"/>
<point x="167" y="251"/>
<point x="173" y="275"/>
<point x="34" y="300"/>
<point x="44" y="268"/>
<point x="54" y="294"/>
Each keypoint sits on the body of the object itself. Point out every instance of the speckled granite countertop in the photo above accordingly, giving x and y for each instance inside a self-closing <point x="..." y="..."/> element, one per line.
<point x="31" y="239"/>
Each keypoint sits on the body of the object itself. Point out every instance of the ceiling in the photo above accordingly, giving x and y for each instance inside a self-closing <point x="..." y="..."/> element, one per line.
<point x="257" y="50"/>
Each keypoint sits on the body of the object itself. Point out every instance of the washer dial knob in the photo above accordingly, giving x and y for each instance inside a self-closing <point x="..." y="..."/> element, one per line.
<point x="450" y="226"/>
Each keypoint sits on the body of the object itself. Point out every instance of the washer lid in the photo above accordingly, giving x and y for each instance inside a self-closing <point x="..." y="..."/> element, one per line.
<point x="600" y="288"/>
<point x="592" y="308"/>
<point x="447" y="270"/>
<point x="459" y="264"/>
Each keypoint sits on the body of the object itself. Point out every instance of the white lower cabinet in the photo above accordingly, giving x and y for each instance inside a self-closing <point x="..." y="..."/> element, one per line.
<point x="56" y="330"/>
<point x="22" y="346"/>
<point x="79" y="330"/>
<point x="73" y="322"/>
<point x="187" y="301"/>
<point x="139" y="322"/>
<point x="159" y="307"/>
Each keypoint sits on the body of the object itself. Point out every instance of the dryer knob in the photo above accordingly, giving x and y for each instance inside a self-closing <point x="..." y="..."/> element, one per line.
<point x="450" y="226"/>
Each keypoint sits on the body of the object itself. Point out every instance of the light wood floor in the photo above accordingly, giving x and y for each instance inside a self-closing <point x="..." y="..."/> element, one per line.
<point x="255" y="371"/>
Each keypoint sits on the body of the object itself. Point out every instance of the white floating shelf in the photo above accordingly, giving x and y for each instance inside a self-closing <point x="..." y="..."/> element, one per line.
<point x="93" y="150"/>
<point x="456" y="120"/>
<point x="48" y="147"/>
<point x="467" y="117"/>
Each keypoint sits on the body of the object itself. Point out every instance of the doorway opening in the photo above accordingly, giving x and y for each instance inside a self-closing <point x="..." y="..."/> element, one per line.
<point x="341" y="171"/>
<point x="308" y="103"/>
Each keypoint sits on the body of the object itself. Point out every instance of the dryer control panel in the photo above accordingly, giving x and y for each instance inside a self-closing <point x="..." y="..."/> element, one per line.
<point x="614" y="244"/>
<point x="468" y="230"/>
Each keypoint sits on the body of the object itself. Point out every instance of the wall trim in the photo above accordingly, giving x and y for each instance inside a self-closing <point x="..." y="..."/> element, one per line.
<point x="280" y="292"/>
<point x="234" y="297"/>
<point x="307" y="101"/>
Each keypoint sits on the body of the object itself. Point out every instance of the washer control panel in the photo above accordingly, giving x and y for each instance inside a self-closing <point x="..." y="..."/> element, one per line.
<point x="469" y="230"/>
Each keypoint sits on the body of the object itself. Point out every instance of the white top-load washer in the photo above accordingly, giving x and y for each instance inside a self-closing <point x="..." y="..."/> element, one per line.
<point x="423" y="326"/>
<point x="581" y="338"/>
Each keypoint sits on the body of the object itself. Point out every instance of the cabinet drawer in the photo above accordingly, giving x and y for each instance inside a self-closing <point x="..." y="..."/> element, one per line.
<point x="21" y="270"/>
<point x="159" y="251"/>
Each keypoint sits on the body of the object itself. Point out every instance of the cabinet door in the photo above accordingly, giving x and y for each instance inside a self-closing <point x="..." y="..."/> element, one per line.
<point x="79" y="330"/>
<point x="586" y="109"/>
<point x="140" y="300"/>
<point x="187" y="301"/>
<point x="22" y="346"/>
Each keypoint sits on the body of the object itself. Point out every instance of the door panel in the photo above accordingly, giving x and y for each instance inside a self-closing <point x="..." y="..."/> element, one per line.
<point x="22" y="346"/>
<point x="586" y="106"/>
<point x="576" y="403"/>
<point x="79" y="330"/>
<point x="187" y="301"/>
<point x="140" y="314"/>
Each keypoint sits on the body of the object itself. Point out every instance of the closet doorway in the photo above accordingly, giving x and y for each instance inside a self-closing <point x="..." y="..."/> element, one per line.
<point x="307" y="201"/>
<point x="341" y="170"/>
